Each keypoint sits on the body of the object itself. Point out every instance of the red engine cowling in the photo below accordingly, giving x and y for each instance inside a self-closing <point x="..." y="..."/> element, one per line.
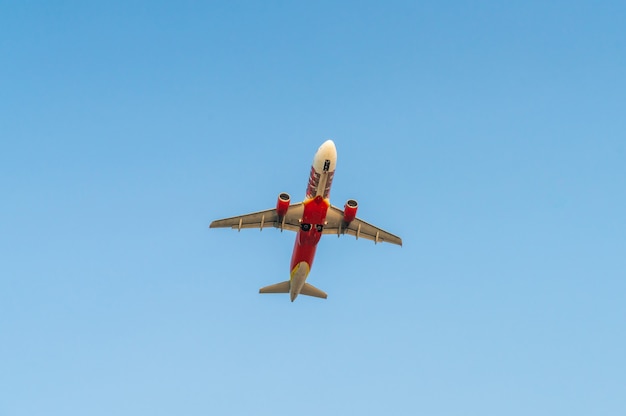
<point x="283" y="204"/>
<point x="349" y="211"/>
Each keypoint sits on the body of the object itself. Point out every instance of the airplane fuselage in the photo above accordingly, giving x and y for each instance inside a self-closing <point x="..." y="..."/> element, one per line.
<point x="316" y="204"/>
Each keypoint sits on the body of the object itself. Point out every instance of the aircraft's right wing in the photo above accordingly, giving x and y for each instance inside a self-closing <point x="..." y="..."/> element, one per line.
<point x="357" y="228"/>
<point x="262" y="219"/>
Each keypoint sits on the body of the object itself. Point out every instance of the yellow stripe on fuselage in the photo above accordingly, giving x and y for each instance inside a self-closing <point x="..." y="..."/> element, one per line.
<point x="301" y="265"/>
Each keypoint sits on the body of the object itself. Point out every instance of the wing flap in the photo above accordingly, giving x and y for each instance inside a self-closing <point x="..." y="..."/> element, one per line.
<point x="357" y="228"/>
<point x="264" y="219"/>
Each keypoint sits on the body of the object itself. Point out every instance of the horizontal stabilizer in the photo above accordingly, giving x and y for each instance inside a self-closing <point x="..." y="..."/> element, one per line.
<point x="310" y="290"/>
<point x="282" y="287"/>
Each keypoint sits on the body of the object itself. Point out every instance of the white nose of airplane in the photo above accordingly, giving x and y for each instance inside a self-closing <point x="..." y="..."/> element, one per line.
<point x="328" y="146"/>
<point x="326" y="157"/>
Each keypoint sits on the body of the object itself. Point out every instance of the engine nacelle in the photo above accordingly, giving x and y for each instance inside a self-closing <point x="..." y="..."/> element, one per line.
<point x="349" y="211"/>
<point x="283" y="203"/>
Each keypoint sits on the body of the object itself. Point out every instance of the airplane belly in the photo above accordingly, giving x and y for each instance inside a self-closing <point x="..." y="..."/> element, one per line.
<point x="302" y="253"/>
<point x="311" y="229"/>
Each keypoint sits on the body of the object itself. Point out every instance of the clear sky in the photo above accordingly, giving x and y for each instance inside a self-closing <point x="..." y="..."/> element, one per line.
<point x="489" y="135"/>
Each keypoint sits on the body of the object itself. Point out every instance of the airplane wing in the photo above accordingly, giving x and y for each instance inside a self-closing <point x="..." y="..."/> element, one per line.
<point x="357" y="228"/>
<point x="261" y="219"/>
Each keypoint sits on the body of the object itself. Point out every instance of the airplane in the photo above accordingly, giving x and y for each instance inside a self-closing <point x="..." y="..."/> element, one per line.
<point x="310" y="219"/>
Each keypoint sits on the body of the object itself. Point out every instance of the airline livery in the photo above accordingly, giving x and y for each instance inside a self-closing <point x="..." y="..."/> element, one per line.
<point x="310" y="219"/>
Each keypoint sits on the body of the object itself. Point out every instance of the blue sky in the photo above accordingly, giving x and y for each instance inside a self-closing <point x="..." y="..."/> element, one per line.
<point x="489" y="135"/>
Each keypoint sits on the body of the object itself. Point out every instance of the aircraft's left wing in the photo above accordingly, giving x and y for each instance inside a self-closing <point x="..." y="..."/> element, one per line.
<point x="262" y="219"/>
<point x="357" y="228"/>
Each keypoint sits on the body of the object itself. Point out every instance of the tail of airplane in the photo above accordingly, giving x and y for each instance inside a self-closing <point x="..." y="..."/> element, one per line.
<point x="310" y="290"/>
<point x="282" y="287"/>
<point x="285" y="287"/>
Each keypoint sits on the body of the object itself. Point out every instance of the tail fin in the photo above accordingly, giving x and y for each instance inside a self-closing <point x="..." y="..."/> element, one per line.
<point x="282" y="287"/>
<point x="310" y="290"/>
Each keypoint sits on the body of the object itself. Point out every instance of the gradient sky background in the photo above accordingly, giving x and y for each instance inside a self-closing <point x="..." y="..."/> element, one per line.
<point x="490" y="135"/>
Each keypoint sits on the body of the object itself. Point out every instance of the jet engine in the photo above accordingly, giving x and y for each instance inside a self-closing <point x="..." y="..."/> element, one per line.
<point x="349" y="211"/>
<point x="283" y="204"/>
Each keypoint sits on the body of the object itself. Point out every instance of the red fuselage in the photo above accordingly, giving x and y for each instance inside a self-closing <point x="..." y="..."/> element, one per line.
<point x="310" y="232"/>
<point x="316" y="204"/>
